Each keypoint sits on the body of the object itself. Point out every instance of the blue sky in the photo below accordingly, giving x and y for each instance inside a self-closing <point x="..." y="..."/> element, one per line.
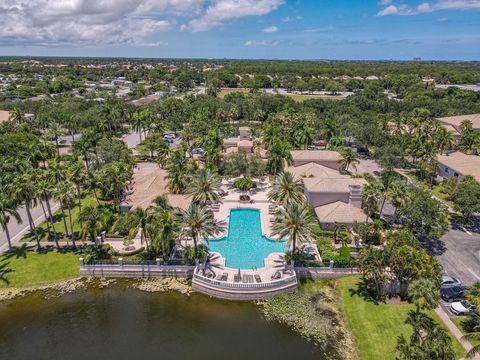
<point x="286" y="29"/>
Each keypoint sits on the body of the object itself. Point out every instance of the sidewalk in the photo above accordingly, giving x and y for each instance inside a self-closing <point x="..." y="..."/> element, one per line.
<point x="455" y="331"/>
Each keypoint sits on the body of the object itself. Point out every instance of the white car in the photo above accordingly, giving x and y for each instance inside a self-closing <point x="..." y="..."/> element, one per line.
<point x="462" y="308"/>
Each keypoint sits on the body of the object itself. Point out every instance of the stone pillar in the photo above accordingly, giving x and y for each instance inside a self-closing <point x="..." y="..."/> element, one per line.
<point x="82" y="262"/>
<point x="158" y="262"/>
<point x="102" y="236"/>
<point x="120" y="262"/>
<point x="331" y="265"/>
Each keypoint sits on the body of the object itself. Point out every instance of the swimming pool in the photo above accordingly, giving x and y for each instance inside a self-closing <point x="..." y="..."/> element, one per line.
<point x="245" y="247"/>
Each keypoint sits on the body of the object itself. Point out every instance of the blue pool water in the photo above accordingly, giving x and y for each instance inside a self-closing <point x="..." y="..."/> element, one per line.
<point x="245" y="247"/>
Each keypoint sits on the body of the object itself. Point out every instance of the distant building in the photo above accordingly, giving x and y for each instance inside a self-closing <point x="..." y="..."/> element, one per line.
<point x="453" y="123"/>
<point x="417" y="58"/>
<point x="5" y="116"/>
<point x="242" y="142"/>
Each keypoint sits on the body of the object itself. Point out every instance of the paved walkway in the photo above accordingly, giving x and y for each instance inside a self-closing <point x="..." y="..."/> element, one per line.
<point x="455" y="331"/>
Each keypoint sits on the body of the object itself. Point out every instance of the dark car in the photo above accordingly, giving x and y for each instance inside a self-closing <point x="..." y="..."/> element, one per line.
<point x="453" y="293"/>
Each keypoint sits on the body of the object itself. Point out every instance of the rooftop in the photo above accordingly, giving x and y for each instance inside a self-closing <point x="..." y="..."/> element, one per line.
<point x="457" y="120"/>
<point x="314" y="155"/>
<point x="148" y="183"/>
<point x="319" y="178"/>
<point x="462" y="163"/>
<point x="314" y="170"/>
<point x="340" y="212"/>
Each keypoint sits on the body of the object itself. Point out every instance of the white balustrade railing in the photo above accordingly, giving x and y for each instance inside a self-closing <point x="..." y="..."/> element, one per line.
<point x="290" y="279"/>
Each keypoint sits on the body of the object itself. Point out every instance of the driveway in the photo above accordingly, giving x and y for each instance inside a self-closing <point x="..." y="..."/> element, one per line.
<point x="459" y="253"/>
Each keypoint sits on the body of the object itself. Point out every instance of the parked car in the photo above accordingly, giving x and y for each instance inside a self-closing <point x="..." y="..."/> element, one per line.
<point x="198" y="151"/>
<point x="169" y="135"/>
<point x="462" y="308"/>
<point x="452" y="293"/>
<point x="450" y="281"/>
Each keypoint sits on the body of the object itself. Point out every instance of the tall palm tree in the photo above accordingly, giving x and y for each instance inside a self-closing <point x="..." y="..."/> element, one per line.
<point x="474" y="336"/>
<point x="77" y="174"/>
<point x="65" y="194"/>
<point x="278" y="155"/>
<point x="8" y="209"/>
<point x="17" y="115"/>
<point x="398" y="195"/>
<point x="138" y="122"/>
<point x="443" y="139"/>
<point x="142" y="218"/>
<point x="199" y="224"/>
<point x="294" y="224"/>
<point x="305" y="135"/>
<point x="54" y="131"/>
<point x="348" y="159"/>
<point x="205" y="186"/>
<point x="23" y="188"/>
<point x="162" y="232"/>
<point x="92" y="222"/>
<point x="371" y="195"/>
<point x="287" y="190"/>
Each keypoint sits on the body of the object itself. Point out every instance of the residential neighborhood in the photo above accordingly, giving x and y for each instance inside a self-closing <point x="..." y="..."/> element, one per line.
<point x="270" y="179"/>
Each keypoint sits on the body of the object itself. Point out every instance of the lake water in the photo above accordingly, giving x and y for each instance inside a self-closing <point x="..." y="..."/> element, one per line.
<point x="116" y="323"/>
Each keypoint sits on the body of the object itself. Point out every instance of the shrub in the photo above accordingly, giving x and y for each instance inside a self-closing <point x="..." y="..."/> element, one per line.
<point x="97" y="252"/>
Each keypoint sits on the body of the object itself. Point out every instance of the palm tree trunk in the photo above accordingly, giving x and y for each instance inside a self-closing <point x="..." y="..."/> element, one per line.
<point x="194" y="238"/>
<point x="383" y="204"/>
<point x="71" y="221"/>
<point x="29" y="216"/>
<point x="294" y="242"/>
<point x="47" y="201"/>
<point x="8" y="237"/>
<point x="56" y="144"/>
<point x="64" y="221"/>
<point x="46" y="219"/>
<point x="71" y="226"/>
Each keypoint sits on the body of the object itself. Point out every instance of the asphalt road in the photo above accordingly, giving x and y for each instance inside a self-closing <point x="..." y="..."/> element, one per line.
<point x="17" y="231"/>
<point x="459" y="253"/>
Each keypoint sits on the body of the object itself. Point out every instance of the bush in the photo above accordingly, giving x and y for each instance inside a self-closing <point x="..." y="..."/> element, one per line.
<point x="343" y="259"/>
<point x="97" y="252"/>
<point x="244" y="184"/>
<point x="325" y="248"/>
<point x="188" y="253"/>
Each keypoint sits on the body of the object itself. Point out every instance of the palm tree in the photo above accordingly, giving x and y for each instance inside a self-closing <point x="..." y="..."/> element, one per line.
<point x="287" y="190"/>
<point x="305" y="135"/>
<point x="443" y="139"/>
<point x="23" y="188"/>
<point x="17" y="115"/>
<point x="474" y="335"/>
<point x="78" y="175"/>
<point x="205" y="186"/>
<point x="348" y="159"/>
<point x="142" y="219"/>
<point x="278" y="155"/>
<point x="138" y="122"/>
<point x="54" y="131"/>
<point x="199" y="224"/>
<point x="162" y="231"/>
<point x="92" y="222"/>
<point x="371" y="194"/>
<point x="294" y="224"/>
<point x="64" y="194"/>
<point x="398" y="195"/>
<point x="8" y="209"/>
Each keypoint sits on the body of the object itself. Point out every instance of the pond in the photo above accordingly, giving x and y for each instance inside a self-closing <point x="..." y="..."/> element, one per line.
<point x="119" y="323"/>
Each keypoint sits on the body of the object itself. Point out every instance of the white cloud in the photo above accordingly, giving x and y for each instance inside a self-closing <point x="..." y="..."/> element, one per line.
<point x="322" y="29"/>
<point x="389" y="10"/>
<point x="89" y="22"/>
<point x="271" y="29"/>
<point x="291" y="18"/>
<point x="427" y="7"/>
<point x="223" y="10"/>
<point x="116" y="22"/>
<point x="261" y="43"/>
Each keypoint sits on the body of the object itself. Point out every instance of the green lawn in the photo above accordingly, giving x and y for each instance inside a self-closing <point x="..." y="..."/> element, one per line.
<point x="58" y="225"/>
<point x="436" y="190"/>
<point x="298" y="98"/>
<point x="458" y="320"/>
<point x="28" y="268"/>
<point x="377" y="326"/>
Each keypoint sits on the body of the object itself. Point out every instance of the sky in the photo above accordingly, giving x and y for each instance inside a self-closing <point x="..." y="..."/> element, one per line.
<point x="267" y="29"/>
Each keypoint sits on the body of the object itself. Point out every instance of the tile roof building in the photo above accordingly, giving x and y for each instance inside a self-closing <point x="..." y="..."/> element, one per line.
<point x="459" y="164"/>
